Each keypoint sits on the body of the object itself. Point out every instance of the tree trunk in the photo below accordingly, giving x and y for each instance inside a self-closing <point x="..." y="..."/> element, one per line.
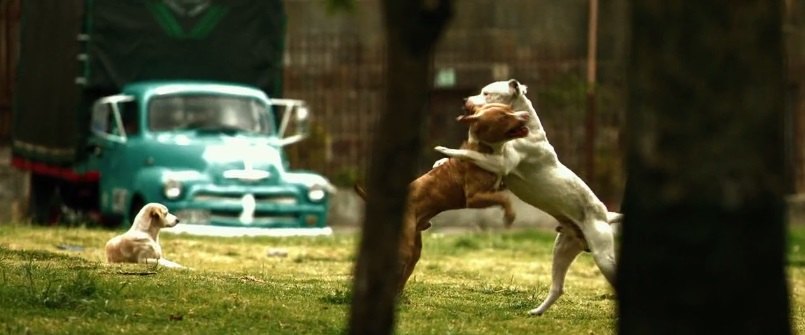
<point x="412" y="29"/>
<point x="703" y="238"/>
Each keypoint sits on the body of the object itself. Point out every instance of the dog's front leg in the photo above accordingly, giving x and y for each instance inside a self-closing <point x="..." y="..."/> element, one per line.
<point x="169" y="264"/>
<point x="565" y="249"/>
<point x="162" y="262"/>
<point x="492" y="163"/>
<point x="488" y="199"/>
<point x="438" y="162"/>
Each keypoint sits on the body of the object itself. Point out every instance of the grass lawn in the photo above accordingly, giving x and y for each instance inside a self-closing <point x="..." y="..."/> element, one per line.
<point x="468" y="283"/>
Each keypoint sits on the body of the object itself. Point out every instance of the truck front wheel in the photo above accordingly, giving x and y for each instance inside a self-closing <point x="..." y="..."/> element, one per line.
<point x="124" y="220"/>
<point x="137" y="203"/>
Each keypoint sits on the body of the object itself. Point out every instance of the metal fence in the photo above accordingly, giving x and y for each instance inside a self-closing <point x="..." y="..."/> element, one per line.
<point x="335" y="62"/>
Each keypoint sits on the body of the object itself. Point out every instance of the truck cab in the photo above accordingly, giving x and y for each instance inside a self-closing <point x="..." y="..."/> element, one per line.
<point x="211" y="152"/>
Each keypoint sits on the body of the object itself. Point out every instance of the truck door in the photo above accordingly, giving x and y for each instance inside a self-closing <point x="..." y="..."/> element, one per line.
<point x="110" y="132"/>
<point x="292" y="118"/>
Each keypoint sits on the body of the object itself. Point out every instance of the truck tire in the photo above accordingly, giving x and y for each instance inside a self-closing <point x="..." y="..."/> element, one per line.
<point x="44" y="205"/>
<point x="111" y="221"/>
<point x="115" y="221"/>
<point x="137" y="203"/>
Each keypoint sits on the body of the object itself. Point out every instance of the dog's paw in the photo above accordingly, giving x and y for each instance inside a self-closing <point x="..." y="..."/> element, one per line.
<point x="509" y="218"/>
<point x="536" y="312"/>
<point x="444" y="150"/>
<point x="439" y="162"/>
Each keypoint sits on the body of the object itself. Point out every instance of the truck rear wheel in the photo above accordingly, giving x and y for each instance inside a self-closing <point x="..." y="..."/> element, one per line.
<point x="45" y="203"/>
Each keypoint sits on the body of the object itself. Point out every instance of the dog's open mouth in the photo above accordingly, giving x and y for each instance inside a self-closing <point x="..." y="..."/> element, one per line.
<point x="521" y="131"/>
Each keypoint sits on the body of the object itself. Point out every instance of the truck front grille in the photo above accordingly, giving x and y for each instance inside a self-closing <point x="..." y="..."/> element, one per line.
<point x="278" y="199"/>
<point x="228" y="215"/>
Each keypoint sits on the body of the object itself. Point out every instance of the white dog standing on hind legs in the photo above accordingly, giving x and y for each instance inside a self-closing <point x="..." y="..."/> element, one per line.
<point x="534" y="174"/>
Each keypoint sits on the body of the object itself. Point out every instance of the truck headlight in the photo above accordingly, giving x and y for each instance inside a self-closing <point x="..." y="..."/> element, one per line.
<point x="172" y="189"/>
<point x="316" y="193"/>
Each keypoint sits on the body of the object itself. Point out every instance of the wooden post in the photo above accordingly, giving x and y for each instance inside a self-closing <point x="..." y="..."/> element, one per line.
<point x="591" y="115"/>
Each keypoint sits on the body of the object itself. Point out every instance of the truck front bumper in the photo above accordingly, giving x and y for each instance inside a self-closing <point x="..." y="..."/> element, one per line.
<point x="225" y="231"/>
<point x="256" y="211"/>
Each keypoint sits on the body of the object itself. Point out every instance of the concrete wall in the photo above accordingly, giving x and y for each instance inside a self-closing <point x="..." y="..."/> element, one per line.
<point x="347" y="212"/>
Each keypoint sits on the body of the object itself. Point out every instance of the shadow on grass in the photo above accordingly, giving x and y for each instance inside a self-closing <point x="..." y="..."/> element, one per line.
<point x="338" y="297"/>
<point x="40" y="255"/>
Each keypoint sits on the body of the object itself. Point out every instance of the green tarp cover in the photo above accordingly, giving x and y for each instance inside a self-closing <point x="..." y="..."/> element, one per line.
<point x="131" y="40"/>
<point x="46" y="97"/>
<point x="232" y="40"/>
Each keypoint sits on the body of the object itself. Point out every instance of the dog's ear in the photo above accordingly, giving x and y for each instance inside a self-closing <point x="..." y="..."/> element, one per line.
<point x="157" y="215"/>
<point x="516" y="87"/>
<point x="156" y="212"/>
<point x="467" y="119"/>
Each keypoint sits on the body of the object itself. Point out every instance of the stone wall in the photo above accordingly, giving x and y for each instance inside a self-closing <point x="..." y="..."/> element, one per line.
<point x="13" y="189"/>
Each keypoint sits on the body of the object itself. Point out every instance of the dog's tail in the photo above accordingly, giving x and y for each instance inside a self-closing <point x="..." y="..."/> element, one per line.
<point x="360" y="191"/>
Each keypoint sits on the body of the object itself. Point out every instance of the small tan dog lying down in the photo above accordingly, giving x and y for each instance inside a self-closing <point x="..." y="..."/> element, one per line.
<point x="457" y="183"/>
<point x="141" y="243"/>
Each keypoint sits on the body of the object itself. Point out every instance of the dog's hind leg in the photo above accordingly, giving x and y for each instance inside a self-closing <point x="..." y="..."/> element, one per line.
<point x="410" y="248"/>
<point x="416" y="252"/>
<point x="565" y="249"/>
<point x="601" y="241"/>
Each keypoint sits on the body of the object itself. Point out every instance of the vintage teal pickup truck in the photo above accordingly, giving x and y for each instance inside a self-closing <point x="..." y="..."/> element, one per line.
<point x="141" y="105"/>
<point x="210" y="152"/>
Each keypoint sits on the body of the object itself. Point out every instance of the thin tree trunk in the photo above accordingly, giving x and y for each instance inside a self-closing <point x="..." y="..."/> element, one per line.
<point x="703" y="237"/>
<point x="412" y="29"/>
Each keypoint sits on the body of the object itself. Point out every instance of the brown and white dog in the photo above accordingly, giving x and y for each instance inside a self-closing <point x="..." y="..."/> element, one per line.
<point x="533" y="172"/>
<point x="457" y="183"/>
<point x="140" y="244"/>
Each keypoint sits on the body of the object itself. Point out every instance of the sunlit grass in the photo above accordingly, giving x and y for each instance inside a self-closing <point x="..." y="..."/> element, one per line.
<point x="468" y="283"/>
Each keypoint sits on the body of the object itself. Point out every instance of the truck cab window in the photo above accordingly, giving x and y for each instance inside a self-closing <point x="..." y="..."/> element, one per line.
<point x="103" y="120"/>
<point x="100" y="118"/>
<point x="208" y="113"/>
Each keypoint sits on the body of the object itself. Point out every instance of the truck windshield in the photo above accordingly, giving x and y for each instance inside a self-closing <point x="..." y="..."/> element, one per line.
<point x="208" y="113"/>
